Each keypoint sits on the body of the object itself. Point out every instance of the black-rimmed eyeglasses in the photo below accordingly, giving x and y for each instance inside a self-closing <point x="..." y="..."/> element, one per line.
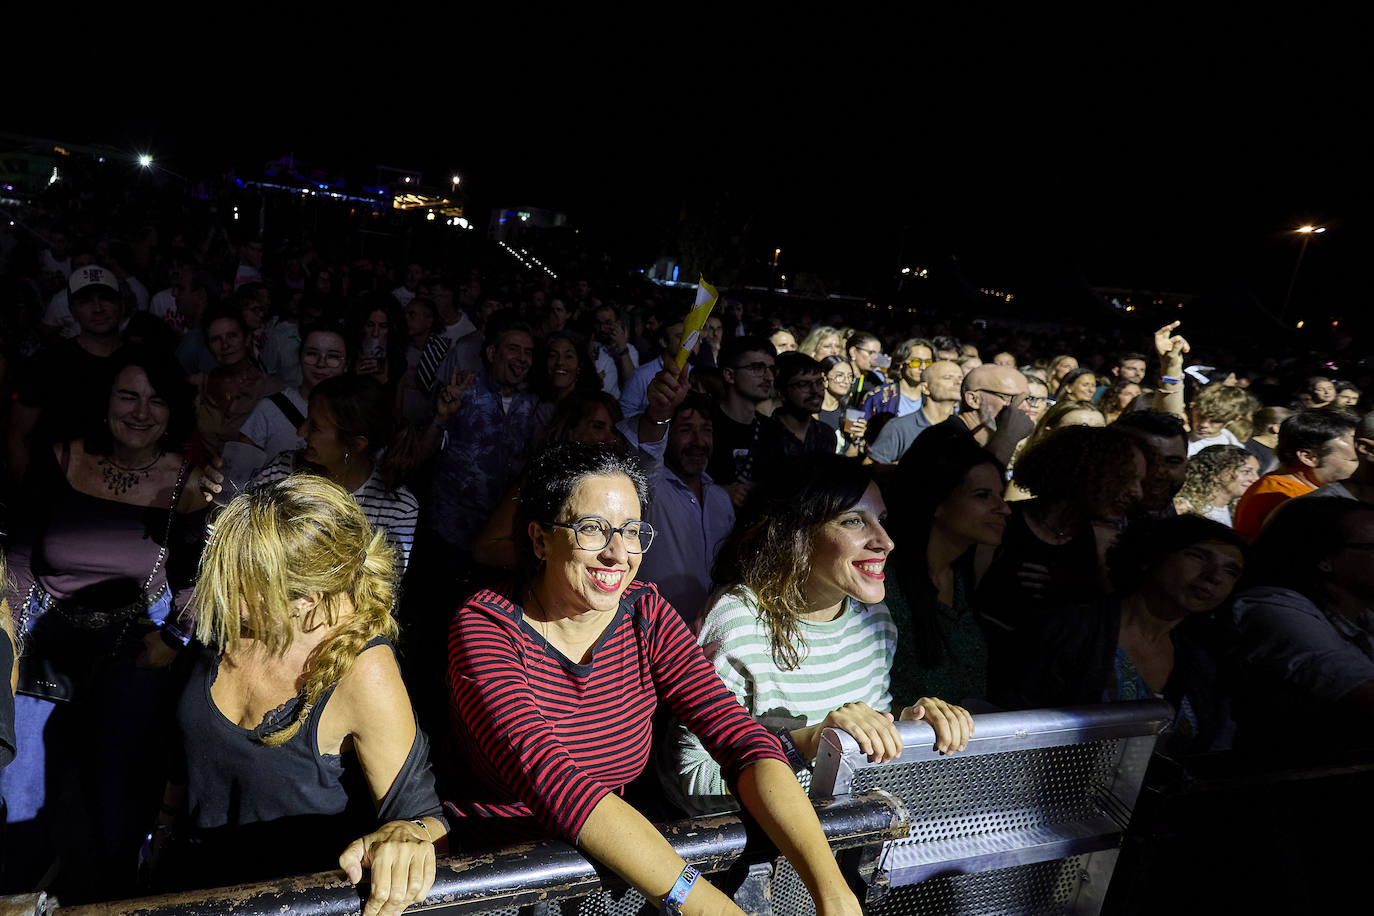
<point x="592" y="532"/>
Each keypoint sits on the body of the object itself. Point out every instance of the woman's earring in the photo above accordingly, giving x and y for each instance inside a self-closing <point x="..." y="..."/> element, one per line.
<point x="346" y="457"/>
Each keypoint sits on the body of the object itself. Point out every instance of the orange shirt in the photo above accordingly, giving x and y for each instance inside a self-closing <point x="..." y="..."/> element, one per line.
<point x="1263" y="497"/>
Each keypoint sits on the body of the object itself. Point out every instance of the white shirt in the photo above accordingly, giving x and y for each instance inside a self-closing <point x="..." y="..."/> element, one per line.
<point x="634" y="397"/>
<point x="270" y="429"/>
<point x="1226" y="437"/>
<point x="610" y="375"/>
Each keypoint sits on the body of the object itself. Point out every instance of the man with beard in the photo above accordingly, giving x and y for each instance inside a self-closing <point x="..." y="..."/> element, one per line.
<point x="802" y="388"/>
<point x="481" y="430"/>
<point x="691" y="514"/>
<point x="1165" y="443"/>
<point x="741" y="435"/>
<point x="993" y="411"/>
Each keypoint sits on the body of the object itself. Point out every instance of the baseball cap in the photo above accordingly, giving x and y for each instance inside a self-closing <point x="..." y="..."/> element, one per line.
<point x="83" y="279"/>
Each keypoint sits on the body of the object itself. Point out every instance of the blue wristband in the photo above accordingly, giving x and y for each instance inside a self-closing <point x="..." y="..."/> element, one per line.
<point x="672" y="904"/>
<point x="789" y="747"/>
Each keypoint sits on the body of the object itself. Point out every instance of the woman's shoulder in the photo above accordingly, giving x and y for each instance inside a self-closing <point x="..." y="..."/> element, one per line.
<point x="491" y="604"/>
<point x="733" y="615"/>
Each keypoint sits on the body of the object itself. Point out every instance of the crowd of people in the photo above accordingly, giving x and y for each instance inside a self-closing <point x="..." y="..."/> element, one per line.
<point x="276" y="517"/>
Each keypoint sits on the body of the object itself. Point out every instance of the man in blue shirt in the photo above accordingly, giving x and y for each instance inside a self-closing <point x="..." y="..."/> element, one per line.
<point x="691" y="514"/>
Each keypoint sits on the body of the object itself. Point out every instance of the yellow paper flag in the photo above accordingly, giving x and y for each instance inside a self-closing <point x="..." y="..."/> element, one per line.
<point x="696" y="320"/>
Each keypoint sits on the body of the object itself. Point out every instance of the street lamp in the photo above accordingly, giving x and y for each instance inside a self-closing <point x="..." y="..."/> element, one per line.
<point x="145" y="160"/>
<point x="1306" y="232"/>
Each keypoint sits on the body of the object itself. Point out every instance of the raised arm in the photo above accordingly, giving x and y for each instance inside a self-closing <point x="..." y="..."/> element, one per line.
<point x="1170" y="347"/>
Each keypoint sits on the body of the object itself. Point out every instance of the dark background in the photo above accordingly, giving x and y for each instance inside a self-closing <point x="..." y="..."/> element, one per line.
<point x="1042" y="156"/>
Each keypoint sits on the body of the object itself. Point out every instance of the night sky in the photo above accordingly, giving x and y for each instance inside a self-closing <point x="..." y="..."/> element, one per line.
<point x="1162" y="154"/>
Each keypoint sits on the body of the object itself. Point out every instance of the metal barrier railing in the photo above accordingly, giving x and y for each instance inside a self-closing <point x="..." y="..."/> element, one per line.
<point x="533" y="876"/>
<point x="1034" y="809"/>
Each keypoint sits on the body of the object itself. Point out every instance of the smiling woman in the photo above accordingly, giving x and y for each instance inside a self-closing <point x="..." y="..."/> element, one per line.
<point x="101" y="564"/>
<point x="799" y="631"/>
<point x="555" y="681"/>
<point x="1150" y="637"/>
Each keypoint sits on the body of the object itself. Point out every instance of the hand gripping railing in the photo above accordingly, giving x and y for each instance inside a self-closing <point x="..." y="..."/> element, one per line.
<point x="1041" y="795"/>
<point x="531" y="877"/>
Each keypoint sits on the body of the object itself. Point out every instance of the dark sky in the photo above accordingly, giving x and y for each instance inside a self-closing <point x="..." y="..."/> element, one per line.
<point x="1170" y="155"/>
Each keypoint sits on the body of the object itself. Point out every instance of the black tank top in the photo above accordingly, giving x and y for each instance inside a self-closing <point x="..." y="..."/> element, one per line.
<point x="257" y="811"/>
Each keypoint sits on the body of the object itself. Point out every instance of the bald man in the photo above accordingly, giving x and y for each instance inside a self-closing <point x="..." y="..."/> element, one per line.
<point x="993" y="410"/>
<point x="941" y="385"/>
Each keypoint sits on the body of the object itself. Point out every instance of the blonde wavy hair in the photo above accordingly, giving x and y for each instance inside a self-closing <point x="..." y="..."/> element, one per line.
<point x="817" y="337"/>
<point x="299" y="536"/>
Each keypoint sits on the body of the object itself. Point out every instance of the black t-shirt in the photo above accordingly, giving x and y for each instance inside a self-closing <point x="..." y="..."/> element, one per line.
<point x="739" y="450"/>
<point x="72" y="388"/>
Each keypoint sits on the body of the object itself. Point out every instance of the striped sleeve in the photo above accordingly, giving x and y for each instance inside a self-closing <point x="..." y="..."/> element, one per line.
<point x="508" y="739"/>
<point x="433" y="354"/>
<point x="395" y="511"/>
<point x="689" y="684"/>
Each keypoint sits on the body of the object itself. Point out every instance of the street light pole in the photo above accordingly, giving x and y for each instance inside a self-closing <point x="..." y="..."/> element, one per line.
<point x="1306" y="232"/>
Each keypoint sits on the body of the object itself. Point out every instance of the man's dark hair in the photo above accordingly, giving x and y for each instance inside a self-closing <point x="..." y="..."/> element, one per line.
<point x="792" y="364"/>
<point x="735" y="347"/>
<point x="697" y="402"/>
<point x="201" y="279"/>
<point x="903" y="351"/>
<point x="1296" y="539"/>
<point x="945" y="342"/>
<point x="1313" y="430"/>
<point x="500" y="323"/>
<point x="1122" y="358"/>
<point x="1151" y="423"/>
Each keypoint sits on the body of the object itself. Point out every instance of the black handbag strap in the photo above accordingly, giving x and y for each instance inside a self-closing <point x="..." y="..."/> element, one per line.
<point x="288" y="410"/>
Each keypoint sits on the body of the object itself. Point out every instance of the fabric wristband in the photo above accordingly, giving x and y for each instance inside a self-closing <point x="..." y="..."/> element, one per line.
<point x="672" y="904"/>
<point x="794" y="754"/>
<point x="1169" y="380"/>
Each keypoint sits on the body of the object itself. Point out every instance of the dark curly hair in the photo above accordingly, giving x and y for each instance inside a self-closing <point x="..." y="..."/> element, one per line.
<point x="1077" y="464"/>
<point x="1146" y="543"/>
<point x="769" y="550"/>
<point x="550" y="480"/>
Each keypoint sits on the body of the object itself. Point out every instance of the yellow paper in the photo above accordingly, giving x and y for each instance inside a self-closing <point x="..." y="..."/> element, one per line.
<point x="696" y="320"/>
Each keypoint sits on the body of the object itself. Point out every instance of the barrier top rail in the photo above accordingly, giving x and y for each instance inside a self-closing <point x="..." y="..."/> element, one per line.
<point x="528" y="873"/>
<point x="994" y="733"/>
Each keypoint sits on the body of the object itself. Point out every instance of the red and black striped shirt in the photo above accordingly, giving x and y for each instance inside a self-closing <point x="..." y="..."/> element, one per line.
<point x="549" y="738"/>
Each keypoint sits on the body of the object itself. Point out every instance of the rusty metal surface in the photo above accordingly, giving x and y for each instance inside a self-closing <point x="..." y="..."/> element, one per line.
<point x="22" y="904"/>
<point x="529" y="873"/>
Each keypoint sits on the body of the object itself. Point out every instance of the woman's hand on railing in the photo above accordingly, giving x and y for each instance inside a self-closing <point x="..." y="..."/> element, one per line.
<point x="953" y="724"/>
<point x="400" y="856"/>
<point x="875" y="732"/>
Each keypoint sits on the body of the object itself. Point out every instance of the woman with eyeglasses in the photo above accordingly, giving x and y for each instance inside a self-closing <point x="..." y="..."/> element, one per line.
<point x="274" y="425"/>
<point x="839" y="378"/>
<point x="554" y="682"/>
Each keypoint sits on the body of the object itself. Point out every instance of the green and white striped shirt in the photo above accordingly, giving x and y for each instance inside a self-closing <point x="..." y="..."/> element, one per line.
<point x="845" y="660"/>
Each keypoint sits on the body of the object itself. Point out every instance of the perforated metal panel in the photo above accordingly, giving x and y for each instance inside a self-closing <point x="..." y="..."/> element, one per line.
<point x="961" y="797"/>
<point x="790" y="896"/>
<point x="1038" y="888"/>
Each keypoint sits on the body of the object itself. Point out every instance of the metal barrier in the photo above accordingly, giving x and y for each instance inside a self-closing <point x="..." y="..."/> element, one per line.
<point x="551" y="877"/>
<point x="1029" y="818"/>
